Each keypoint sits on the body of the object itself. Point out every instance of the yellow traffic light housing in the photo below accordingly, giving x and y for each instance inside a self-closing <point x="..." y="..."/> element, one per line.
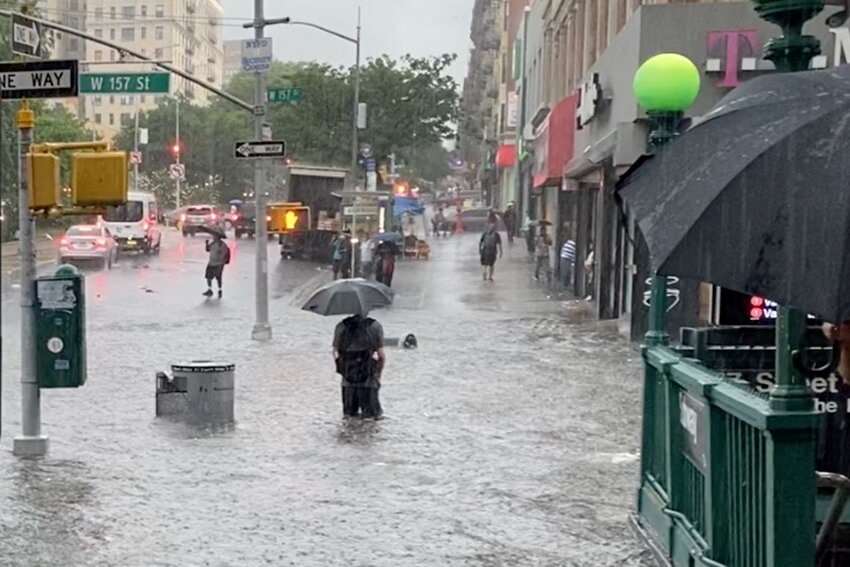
<point x="43" y="181"/>
<point x="288" y="218"/>
<point x="99" y="178"/>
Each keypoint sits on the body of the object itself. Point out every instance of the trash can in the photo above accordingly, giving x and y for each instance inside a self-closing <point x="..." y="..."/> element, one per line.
<point x="197" y="392"/>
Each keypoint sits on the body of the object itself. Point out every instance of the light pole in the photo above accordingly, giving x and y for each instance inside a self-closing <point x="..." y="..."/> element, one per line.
<point x="355" y="144"/>
<point x="665" y="85"/>
<point x="262" y="330"/>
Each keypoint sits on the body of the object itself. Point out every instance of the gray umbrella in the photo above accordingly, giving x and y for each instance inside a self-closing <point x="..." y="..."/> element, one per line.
<point x="756" y="196"/>
<point x="349" y="297"/>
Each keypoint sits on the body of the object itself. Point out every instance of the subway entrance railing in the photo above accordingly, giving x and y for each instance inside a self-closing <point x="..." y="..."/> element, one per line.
<point x="727" y="480"/>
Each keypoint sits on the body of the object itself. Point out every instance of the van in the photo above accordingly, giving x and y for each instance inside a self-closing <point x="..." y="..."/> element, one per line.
<point x="135" y="225"/>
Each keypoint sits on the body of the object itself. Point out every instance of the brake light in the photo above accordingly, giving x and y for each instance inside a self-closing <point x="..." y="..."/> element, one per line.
<point x="212" y="216"/>
<point x="101" y="242"/>
<point x="64" y="242"/>
<point x="145" y="226"/>
<point x="183" y="217"/>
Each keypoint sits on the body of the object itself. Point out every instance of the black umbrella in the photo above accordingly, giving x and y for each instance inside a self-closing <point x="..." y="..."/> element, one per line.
<point x="213" y="230"/>
<point x="349" y="297"/>
<point x="756" y="196"/>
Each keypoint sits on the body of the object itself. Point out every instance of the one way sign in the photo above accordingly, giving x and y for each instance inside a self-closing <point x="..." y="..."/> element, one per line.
<point x="271" y="149"/>
<point x="39" y="79"/>
<point x="26" y="36"/>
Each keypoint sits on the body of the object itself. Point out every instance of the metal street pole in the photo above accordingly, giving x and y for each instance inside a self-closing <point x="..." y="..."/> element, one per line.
<point x="177" y="156"/>
<point x="136" y="150"/>
<point x="31" y="443"/>
<point x="262" y="330"/>
<point x="355" y="143"/>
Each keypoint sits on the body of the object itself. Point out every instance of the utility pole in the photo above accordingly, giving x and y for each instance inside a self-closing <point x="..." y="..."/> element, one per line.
<point x="178" y="148"/>
<point x="355" y="142"/>
<point x="136" y="152"/>
<point x="31" y="442"/>
<point x="262" y="330"/>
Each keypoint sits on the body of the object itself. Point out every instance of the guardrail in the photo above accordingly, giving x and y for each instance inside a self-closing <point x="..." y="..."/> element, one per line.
<point x="725" y="479"/>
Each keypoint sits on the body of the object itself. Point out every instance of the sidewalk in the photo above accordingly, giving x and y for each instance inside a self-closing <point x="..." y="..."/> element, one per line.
<point x="10" y="259"/>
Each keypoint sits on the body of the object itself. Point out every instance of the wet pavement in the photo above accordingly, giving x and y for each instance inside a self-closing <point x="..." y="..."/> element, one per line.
<point x="510" y="439"/>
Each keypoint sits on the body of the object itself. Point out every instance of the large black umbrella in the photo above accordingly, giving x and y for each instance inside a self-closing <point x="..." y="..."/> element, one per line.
<point x="213" y="230"/>
<point x="349" y="297"/>
<point x="756" y="196"/>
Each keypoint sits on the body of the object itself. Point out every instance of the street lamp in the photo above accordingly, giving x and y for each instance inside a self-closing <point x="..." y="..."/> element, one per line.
<point x="356" y="41"/>
<point x="665" y="85"/>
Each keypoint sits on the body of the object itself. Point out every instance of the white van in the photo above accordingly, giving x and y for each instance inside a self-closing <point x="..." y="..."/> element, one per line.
<point x="135" y="225"/>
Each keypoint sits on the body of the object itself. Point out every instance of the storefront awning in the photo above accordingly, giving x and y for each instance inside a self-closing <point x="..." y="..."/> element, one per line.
<point x="553" y="145"/>
<point x="506" y="156"/>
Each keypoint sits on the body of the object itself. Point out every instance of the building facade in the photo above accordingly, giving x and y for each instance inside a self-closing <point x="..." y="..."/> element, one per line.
<point x="580" y="128"/>
<point x="232" y="59"/>
<point x="186" y="33"/>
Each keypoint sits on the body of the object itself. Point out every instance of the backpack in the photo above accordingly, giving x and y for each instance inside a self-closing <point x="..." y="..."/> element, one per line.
<point x="355" y="366"/>
<point x="227" y="255"/>
<point x="489" y="240"/>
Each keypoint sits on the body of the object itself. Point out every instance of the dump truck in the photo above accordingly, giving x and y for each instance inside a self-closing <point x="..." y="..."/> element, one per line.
<point x="307" y="221"/>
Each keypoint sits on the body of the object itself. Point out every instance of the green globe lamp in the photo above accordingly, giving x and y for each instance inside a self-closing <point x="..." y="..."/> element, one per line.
<point x="666" y="85"/>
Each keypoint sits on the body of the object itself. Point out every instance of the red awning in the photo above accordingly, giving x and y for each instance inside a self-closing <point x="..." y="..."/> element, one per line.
<point x="555" y="142"/>
<point x="506" y="156"/>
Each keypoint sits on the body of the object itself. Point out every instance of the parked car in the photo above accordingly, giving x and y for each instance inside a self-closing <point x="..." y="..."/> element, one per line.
<point x="474" y="220"/>
<point x="200" y="216"/>
<point x="88" y="242"/>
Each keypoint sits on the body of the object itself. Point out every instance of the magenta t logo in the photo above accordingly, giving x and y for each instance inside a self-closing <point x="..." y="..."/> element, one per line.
<point x="731" y="46"/>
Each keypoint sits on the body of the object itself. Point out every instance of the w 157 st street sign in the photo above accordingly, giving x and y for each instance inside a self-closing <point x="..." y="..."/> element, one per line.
<point x="39" y="79"/>
<point x="271" y="149"/>
<point x="124" y="83"/>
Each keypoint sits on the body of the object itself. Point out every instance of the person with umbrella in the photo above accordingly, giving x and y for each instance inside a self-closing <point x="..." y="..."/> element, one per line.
<point x="385" y="263"/>
<point x="834" y="436"/>
<point x="358" y="343"/>
<point x="488" y="247"/>
<point x="219" y="257"/>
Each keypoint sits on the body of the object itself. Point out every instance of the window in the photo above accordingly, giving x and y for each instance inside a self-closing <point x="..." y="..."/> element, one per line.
<point x="112" y="12"/>
<point x="133" y="211"/>
<point x="128" y="34"/>
<point x="159" y="32"/>
<point x="73" y="44"/>
<point x="111" y="119"/>
<point x="98" y="55"/>
<point x="143" y="32"/>
<point x="144" y="10"/>
<point x="111" y="99"/>
<point x="98" y="100"/>
<point x="98" y="13"/>
<point x="126" y="100"/>
<point x="143" y="99"/>
<point x="98" y="33"/>
<point x="125" y="118"/>
<point x="157" y="54"/>
<point x="128" y="12"/>
<point x="159" y="11"/>
<point x="112" y="34"/>
<point x="111" y="55"/>
<point x="98" y="118"/>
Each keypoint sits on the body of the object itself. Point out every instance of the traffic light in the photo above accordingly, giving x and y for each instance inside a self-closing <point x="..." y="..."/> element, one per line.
<point x="98" y="178"/>
<point x="44" y="182"/>
<point x="288" y="218"/>
<point x="176" y="149"/>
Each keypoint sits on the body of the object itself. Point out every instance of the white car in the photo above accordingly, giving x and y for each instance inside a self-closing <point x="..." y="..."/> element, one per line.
<point x="88" y="242"/>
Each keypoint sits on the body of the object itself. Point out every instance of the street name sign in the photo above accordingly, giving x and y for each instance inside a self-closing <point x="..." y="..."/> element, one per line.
<point x="257" y="55"/>
<point x="39" y="79"/>
<point x="284" y="95"/>
<point x="26" y="36"/>
<point x="270" y="149"/>
<point x="125" y="83"/>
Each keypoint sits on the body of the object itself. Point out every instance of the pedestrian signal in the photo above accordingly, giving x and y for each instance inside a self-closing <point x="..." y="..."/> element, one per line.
<point x="288" y="218"/>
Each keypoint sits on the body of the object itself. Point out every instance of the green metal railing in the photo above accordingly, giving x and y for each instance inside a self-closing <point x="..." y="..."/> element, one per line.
<point x="726" y="479"/>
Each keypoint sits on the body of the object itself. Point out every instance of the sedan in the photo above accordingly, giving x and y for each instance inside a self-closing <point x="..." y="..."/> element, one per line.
<point x="88" y="242"/>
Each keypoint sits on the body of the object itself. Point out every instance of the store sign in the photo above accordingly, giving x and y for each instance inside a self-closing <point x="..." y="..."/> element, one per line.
<point x="734" y="52"/>
<point x="589" y="97"/>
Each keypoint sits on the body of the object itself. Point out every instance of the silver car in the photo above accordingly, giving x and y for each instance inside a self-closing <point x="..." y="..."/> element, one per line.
<point x="88" y="242"/>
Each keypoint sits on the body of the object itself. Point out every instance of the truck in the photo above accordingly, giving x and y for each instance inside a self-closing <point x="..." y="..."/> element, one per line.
<point x="308" y="220"/>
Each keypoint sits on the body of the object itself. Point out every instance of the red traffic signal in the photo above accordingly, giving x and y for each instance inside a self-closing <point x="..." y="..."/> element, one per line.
<point x="175" y="149"/>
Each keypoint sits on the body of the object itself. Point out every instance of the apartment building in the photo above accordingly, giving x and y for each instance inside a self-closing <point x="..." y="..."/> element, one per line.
<point x="232" y="59"/>
<point x="186" y="33"/>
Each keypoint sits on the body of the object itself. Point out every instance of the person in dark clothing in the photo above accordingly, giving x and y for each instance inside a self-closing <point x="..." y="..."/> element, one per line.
<point x="219" y="257"/>
<point x="834" y="438"/>
<point x="489" y="247"/>
<point x="509" y="217"/>
<point x="358" y="350"/>
<point x="385" y="264"/>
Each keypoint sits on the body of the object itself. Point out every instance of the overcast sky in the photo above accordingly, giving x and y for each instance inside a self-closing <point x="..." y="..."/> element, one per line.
<point x="392" y="27"/>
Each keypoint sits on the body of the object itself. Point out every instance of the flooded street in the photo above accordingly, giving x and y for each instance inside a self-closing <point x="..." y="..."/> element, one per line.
<point x="510" y="436"/>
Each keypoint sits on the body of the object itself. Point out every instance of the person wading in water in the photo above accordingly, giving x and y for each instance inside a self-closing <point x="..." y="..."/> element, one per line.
<point x="488" y="247"/>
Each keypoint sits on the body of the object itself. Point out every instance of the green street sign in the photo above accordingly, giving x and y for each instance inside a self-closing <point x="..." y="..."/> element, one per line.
<point x="125" y="83"/>
<point x="284" y="95"/>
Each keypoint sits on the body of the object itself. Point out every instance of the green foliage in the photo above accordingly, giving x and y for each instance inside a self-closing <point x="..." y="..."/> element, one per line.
<point x="412" y="104"/>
